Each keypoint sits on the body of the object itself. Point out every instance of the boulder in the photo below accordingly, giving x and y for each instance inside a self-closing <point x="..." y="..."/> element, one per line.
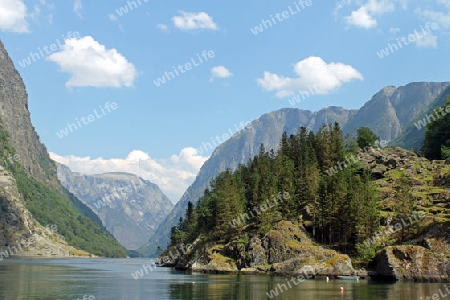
<point x="410" y="263"/>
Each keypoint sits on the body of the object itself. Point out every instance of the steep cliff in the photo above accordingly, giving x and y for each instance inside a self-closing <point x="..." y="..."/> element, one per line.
<point x="36" y="176"/>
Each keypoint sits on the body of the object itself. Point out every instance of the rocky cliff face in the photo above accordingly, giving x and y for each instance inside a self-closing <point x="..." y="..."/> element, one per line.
<point x="130" y="207"/>
<point x="35" y="173"/>
<point x="387" y="113"/>
<point x="31" y="153"/>
<point x="414" y="263"/>
<point x="425" y="250"/>
<point x="392" y="109"/>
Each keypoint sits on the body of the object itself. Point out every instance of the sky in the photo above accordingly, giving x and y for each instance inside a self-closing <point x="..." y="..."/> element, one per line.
<point x="138" y="86"/>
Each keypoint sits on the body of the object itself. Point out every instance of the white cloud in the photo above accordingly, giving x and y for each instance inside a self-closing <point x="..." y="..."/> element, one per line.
<point x="173" y="175"/>
<point x="13" y="14"/>
<point x="192" y="21"/>
<point x="313" y="72"/>
<point x="90" y="64"/>
<point x="77" y="7"/>
<point x="365" y="15"/>
<point x="361" y="18"/>
<point x="220" y="72"/>
<point x="439" y="17"/>
<point x="163" y="27"/>
<point x="427" y="41"/>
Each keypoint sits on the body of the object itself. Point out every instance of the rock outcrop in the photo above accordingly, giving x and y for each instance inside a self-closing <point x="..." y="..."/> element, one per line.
<point x="285" y="250"/>
<point x="411" y="263"/>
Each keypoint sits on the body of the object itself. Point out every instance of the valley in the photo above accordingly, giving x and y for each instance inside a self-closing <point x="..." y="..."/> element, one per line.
<point x="127" y="175"/>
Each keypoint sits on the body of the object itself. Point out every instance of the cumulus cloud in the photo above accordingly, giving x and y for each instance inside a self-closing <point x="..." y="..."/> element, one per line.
<point x="313" y="72"/>
<point x="220" y="72"/>
<point x="361" y="18"/>
<point x="90" y="64"/>
<point x="365" y="16"/>
<point x="77" y="7"/>
<point x="173" y="175"/>
<point x="13" y="14"/>
<point x="193" y="21"/>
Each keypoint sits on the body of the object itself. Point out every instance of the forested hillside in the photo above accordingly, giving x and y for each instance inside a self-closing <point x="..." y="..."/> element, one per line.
<point x="313" y="177"/>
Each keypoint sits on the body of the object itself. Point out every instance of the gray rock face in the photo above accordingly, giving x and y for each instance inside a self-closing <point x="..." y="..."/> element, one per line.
<point x="387" y="113"/>
<point x="411" y="263"/>
<point x="392" y="109"/>
<point x="130" y="207"/>
<point x="285" y="250"/>
<point x="32" y="154"/>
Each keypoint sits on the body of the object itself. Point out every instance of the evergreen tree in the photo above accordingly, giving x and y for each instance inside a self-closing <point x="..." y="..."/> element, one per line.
<point x="437" y="135"/>
<point x="366" y="138"/>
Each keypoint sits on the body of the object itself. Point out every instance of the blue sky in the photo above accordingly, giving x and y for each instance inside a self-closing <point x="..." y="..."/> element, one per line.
<point x="102" y="59"/>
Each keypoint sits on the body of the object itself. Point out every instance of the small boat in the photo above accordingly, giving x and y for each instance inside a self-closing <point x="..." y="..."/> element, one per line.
<point x="348" y="277"/>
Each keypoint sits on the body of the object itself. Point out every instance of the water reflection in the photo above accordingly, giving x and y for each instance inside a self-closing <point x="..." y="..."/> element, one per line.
<point x="111" y="279"/>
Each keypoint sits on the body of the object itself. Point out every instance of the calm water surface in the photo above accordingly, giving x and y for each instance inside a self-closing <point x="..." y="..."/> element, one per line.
<point x="112" y="279"/>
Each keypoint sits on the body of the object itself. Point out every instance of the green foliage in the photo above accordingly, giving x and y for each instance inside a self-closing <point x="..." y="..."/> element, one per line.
<point x="445" y="152"/>
<point x="437" y="134"/>
<point x="366" y="138"/>
<point x="291" y="184"/>
<point x="368" y="251"/>
<point x="48" y="207"/>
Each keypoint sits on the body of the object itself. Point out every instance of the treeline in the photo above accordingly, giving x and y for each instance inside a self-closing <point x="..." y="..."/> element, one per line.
<point x="290" y="184"/>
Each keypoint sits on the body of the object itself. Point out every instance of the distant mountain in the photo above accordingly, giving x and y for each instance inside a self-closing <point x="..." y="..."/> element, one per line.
<point x="129" y="207"/>
<point x="387" y="114"/>
<point x="414" y="134"/>
<point x="392" y="109"/>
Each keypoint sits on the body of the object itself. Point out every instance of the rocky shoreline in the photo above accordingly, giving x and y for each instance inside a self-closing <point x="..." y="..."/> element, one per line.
<point x="287" y="250"/>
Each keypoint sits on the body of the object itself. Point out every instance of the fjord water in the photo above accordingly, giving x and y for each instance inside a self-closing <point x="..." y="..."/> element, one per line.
<point x="112" y="279"/>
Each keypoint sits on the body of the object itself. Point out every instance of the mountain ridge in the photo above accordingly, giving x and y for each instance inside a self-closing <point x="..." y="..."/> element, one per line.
<point x="269" y="127"/>
<point x="129" y="206"/>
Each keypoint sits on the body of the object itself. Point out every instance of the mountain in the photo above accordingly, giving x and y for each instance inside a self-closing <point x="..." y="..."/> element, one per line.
<point x="35" y="175"/>
<point x="387" y="114"/>
<point x="129" y="207"/>
<point x="391" y="110"/>
<point x="414" y="134"/>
